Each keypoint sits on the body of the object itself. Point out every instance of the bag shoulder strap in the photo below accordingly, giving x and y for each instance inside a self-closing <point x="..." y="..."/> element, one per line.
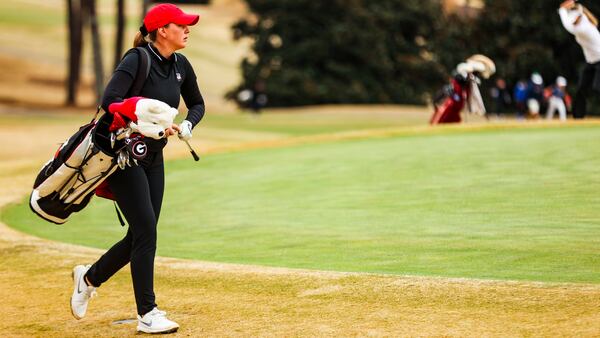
<point x="142" y="71"/>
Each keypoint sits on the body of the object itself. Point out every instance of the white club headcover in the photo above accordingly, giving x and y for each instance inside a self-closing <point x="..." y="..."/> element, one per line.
<point x="464" y="69"/>
<point x="477" y="66"/>
<point x="153" y="117"/>
<point x="489" y="67"/>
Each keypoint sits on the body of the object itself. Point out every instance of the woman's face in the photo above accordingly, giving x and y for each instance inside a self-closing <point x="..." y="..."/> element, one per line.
<point x="176" y="35"/>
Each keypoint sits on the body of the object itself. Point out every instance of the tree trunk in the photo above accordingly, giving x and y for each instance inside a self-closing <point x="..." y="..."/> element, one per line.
<point x="75" y="46"/>
<point x="145" y="5"/>
<point x="120" y="31"/>
<point x="96" y="50"/>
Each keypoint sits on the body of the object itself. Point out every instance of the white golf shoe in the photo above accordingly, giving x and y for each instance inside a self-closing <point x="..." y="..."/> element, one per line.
<point x="81" y="292"/>
<point x="156" y="321"/>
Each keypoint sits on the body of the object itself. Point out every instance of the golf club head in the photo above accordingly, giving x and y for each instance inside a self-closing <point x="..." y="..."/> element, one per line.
<point x="113" y="138"/>
<point x="122" y="160"/>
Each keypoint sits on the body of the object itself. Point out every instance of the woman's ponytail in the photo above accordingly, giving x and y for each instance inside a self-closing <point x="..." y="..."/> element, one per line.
<point x="139" y="40"/>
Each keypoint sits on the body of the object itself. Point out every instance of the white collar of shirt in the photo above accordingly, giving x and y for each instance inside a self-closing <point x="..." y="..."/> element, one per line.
<point x="158" y="55"/>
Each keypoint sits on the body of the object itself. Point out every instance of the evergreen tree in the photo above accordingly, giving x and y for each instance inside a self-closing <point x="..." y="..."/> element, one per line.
<point x="395" y="51"/>
<point x="340" y="51"/>
<point x="520" y="36"/>
<point x="528" y="37"/>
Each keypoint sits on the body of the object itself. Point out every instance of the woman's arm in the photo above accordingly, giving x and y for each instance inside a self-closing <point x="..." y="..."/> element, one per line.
<point x="121" y="81"/>
<point x="191" y="95"/>
<point x="567" y="22"/>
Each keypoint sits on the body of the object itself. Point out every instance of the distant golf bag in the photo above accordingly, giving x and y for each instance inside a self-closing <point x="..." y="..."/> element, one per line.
<point x="463" y="90"/>
<point x="452" y="102"/>
<point x="67" y="182"/>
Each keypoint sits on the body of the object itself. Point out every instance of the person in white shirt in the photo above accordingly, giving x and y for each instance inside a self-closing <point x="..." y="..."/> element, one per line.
<point x="557" y="99"/>
<point x="580" y="22"/>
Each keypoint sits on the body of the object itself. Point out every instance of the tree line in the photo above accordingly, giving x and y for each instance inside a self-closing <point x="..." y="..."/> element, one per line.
<point x="308" y="52"/>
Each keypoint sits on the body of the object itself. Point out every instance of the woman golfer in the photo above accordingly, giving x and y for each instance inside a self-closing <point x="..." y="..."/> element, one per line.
<point x="580" y="22"/>
<point x="138" y="190"/>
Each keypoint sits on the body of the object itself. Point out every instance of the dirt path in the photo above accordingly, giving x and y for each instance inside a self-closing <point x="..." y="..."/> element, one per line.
<point x="210" y="299"/>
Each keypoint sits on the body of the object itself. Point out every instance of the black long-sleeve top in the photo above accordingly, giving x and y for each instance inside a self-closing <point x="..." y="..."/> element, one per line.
<point x="168" y="80"/>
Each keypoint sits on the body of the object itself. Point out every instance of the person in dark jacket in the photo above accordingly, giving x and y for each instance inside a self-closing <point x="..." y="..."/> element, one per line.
<point x="138" y="190"/>
<point x="535" y="95"/>
<point x="501" y="99"/>
<point x="520" y="98"/>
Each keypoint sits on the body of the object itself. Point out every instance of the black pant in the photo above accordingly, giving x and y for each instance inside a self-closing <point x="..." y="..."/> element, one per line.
<point x="138" y="192"/>
<point x="588" y="81"/>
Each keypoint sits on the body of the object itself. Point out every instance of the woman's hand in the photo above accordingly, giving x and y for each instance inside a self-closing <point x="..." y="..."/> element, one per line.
<point x="185" y="130"/>
<point x="173" y="130"/>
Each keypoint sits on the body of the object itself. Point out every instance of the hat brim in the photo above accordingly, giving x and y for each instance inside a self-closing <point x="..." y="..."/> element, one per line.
<point x="186" y="19"/>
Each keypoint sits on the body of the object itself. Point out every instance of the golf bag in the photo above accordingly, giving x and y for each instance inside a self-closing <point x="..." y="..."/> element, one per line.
<point x="463" y="90"/>
<point x="67" y="182"/>
<point x="451" y="102"/>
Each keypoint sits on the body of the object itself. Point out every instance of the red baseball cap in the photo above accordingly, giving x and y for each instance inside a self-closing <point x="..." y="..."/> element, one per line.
<point x="164" y="14"/>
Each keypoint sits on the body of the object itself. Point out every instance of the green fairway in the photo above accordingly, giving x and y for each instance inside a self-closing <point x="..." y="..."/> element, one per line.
<point x="319" y="120"/>
<point x="505" y="204"/>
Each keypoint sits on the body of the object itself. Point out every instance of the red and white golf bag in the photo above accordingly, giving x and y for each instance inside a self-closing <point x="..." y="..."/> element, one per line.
<point x="67" y="182"/>
<point x="463" y="90"/>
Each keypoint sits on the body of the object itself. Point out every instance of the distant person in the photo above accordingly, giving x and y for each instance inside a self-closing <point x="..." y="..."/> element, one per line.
<point x="520" y="97"/>
<point x="501" y="100"/>
<point x="254" y="99"/>
<point x="535" y="95"/>
<point x="580" y="22"/>
<point x="259" y="97"/>
<point x="558" y="99"/>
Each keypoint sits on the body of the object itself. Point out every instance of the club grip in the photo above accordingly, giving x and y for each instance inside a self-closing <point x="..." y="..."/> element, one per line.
<point x="196" y="157"/>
